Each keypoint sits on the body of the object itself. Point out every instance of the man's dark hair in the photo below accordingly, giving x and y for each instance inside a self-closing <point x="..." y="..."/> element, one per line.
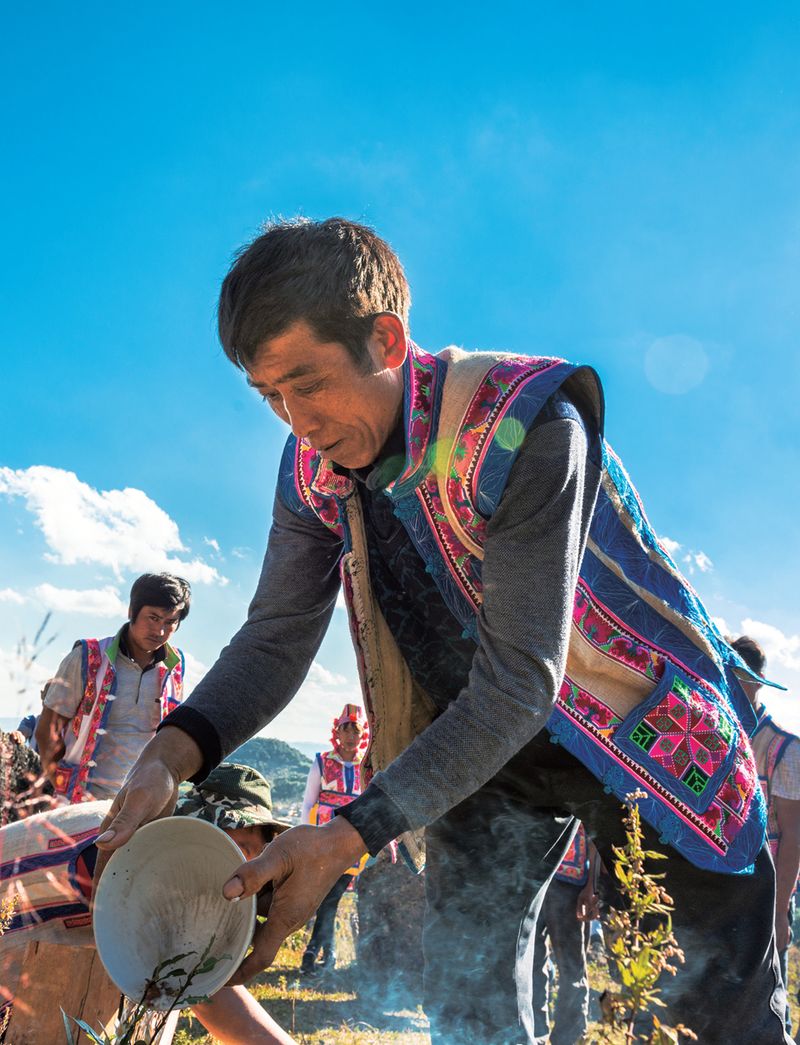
<point x="751" y="653"/>
<point x="164" y="590"/>
<point x="334" y="274"/>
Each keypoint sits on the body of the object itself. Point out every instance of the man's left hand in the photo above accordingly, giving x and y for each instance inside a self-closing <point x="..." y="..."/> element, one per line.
<point x="302" y="864"/>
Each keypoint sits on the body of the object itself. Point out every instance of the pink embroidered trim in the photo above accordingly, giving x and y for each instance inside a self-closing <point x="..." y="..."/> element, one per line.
<point x="489" y="402"/>
<point x="463" y="565"/>
<point x="311" y="475"/>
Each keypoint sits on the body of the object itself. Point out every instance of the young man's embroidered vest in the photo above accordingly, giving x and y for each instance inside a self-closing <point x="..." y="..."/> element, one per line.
<point x="650" y="699"/>
<point x="770" y="744"/>
<point x="86" y="729"/>
<point x="574" y="868"/>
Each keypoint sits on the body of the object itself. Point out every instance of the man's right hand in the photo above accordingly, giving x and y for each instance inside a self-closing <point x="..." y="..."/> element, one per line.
<point x="150" y="791"/>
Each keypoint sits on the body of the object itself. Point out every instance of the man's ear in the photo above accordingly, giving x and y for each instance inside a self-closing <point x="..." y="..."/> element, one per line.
<point x="388" y="342"/>
<point x="130" y="613"/>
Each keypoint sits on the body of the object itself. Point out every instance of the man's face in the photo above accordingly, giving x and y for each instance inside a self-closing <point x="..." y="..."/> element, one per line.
<point x="153" y="626"/>
<point x="318" y="389"/>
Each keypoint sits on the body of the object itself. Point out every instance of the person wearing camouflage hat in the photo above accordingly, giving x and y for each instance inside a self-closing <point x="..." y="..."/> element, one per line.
<point x="46" y="864"/>
<point x="238" y="800"/>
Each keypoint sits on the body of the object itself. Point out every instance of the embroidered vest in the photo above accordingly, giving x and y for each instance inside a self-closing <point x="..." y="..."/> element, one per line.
<point x="87" y="728"/>
<point x="770" y="744"/>
<point x="650" y="699"/>
<point x="340" y="783"/>
<point x="574" y="868"/>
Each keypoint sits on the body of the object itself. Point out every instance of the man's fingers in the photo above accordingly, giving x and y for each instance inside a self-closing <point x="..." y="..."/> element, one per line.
<point x="253" y="875"/>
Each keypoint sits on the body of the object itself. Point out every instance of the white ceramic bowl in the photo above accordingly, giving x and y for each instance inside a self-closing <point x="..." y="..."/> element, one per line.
<point x="160" y="896"/>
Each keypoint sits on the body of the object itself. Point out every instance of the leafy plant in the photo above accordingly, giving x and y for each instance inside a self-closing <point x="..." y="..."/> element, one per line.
<point x="137" y="1023"/>
<point x="639" y="954"/>
<point x="7" y="907"/>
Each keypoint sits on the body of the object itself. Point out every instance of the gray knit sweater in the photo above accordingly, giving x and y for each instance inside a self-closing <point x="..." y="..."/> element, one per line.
<point x="533" y="549"/>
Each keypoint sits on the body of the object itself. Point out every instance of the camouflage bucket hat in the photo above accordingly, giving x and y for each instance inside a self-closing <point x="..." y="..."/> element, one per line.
<point x="231" y="796"/>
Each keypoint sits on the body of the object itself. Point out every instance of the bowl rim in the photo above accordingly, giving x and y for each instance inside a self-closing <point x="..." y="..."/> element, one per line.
<point x="117" y="862"/>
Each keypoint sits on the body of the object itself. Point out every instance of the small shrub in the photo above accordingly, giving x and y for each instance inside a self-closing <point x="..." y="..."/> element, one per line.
<point x="639" y="956"/>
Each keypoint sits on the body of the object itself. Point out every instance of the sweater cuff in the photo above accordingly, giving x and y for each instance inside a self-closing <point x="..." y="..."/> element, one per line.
<point x="198" y="727"/>
<point x="376" y="817"/>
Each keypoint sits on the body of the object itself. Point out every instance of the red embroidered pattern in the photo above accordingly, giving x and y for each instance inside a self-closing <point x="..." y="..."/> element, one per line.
<point x="723" y="819"/>
<point x="463" y="565"/>
<point x="608" y="637"/>
<point x="686" y="735"/>
<point x="573" y="866"/>
<point x="422" y="378"/>
<point x="311" y="473"/>
<point x="494" y="392"/>
<point x="93" y="658"/>
<point x="589" y="707"/>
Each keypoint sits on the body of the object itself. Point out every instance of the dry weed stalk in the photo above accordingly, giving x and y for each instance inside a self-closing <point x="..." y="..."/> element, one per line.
<point x="640" y="955"/>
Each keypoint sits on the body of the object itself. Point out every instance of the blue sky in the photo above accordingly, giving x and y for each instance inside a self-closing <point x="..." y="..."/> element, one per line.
<point x="613" y="184"/>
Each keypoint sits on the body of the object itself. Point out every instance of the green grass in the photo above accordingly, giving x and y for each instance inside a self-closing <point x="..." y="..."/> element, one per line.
<point x="329" y="1011"/>
<point x="326" y="1010"/>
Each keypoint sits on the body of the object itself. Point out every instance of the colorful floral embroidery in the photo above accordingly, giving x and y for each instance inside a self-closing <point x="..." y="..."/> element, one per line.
<point x="317" y="484"/>
<point x="607" y="635"/>
<point x="464" y="566"/>
<point x="573" y="868"/>
<point x="590" y="708"/>
<point x="687" y="735"/>
<point x="480" y="420"/>
<point x="420" y="391"/>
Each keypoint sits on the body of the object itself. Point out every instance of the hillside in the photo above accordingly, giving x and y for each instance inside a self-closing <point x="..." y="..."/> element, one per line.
<point x="285" y="768"/>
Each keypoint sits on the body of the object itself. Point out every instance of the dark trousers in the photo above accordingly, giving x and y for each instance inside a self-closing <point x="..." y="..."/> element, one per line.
<point x="325" y="923"/>
<point x="488" y="860"/>
<point x="568" y="937"/>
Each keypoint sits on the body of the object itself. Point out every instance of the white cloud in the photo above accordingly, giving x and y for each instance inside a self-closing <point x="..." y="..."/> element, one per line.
<point x="319" y="700"/>
<point x="722" y="626"/>
<point x="670" y="546"/>
<point x="212" y="542"/>
<point x="340" y="603"/>
<point x="693" y="560"/>
<point x="781" y="649"/>
<point x="240" y="553"/>
<point x="21" y="680"/>
<point x="322" y="676"/>
<point x="699" y="561"/>
<point x="9" y="595"/>
<point x="122" y="529"/>
<point x="195" y="670"/>
<point x="98" y="602"/>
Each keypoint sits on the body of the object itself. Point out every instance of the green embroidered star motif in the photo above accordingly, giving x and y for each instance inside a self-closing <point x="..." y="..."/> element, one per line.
<point x="696" y="780"/>
<point x="643" y="736"/>
<point x="680" y="689"/>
